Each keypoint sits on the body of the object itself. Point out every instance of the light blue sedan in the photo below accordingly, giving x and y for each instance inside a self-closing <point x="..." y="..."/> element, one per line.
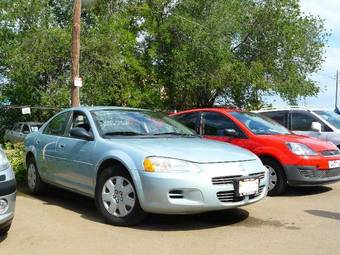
<point x="134" y="161"/>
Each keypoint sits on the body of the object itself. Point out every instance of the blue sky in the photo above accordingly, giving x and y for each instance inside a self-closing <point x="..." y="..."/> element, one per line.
<point x="329" y="11"/>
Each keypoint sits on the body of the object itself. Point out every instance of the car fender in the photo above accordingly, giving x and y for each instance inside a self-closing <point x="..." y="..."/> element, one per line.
<point x="129" y="164"/>
<point x="29" y="143"/>
<point x="271" y="152"/>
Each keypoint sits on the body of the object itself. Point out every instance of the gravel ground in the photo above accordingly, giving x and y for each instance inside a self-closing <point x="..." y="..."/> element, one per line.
<point x="303" y="221"/>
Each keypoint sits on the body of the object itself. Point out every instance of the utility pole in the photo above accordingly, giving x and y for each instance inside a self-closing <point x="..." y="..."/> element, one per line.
<point x="336" y="90"/>
<point x="75" y="101"/>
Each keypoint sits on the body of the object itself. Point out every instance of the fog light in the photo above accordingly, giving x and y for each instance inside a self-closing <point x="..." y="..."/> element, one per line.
<point x="3" y="206"/>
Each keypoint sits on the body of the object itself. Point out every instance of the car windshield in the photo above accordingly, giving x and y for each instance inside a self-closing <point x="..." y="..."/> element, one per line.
<point x="332" y="117"/>
<point x="113" y="122"/>
<point x="260" y="125"/>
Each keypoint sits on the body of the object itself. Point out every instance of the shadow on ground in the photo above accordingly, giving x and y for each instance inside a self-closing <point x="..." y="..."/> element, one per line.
<point x="154" y="222"/>
<point x="306" y="191"/>
<point x="324" y="214"/>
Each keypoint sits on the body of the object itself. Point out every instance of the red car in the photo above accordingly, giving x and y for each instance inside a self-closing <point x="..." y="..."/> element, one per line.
<point x="291" y="159"/>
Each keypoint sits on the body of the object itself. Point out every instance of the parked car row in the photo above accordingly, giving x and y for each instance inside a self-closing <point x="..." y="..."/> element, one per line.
<point x="133" y="161"/>
<point x="291" y="159"/>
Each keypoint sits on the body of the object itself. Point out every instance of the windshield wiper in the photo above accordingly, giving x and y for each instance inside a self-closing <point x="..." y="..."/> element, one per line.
<point x="174" y="133"/>
<point x="123" y="133"/>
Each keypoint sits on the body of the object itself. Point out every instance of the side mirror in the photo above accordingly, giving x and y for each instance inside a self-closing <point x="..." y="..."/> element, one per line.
<point x="81" y="133"/>
<point x="231" y="132"/>
<point x="317" y="127"/>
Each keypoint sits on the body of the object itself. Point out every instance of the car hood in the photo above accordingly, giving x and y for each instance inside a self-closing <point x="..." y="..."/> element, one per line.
<point x="313" y="143"/>
<point x="190" y="149"/>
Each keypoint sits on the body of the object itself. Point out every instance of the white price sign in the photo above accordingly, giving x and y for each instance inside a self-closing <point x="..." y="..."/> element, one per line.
<point x="78" y="82"/>
<point x="26" y="110"/>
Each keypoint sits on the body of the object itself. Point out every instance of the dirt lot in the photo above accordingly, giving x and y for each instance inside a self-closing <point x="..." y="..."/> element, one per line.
<point x="304" y="221"/>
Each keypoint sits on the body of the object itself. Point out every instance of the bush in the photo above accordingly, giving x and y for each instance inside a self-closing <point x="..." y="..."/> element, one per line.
<point x="15" y="154"/>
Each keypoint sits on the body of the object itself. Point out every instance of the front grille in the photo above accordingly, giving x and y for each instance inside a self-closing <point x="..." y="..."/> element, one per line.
<point x="2" y="178"/>
<point x="330" y="153"/>
<point x="320" y="174"/>
<point x="222" y="180"/>
<point x="229" y="196"/>
<point x="260" y="175"/>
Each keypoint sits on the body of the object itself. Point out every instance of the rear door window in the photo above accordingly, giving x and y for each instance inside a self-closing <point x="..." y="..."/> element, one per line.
<point x="216" y="124"/>
<point x="190" y="120"/>
<point x="279" y="116"/>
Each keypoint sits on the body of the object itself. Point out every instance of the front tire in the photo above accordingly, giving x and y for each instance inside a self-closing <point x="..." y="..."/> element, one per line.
<point x="277" y="179"/>
<point x="5" y="230"/>
<point x="116" y="198"/>
<point x="35" y="185"/>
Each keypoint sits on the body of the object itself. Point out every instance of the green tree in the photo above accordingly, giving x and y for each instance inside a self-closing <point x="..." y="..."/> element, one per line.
<point x="235" y="52"/>
<point x="160" y="53"/>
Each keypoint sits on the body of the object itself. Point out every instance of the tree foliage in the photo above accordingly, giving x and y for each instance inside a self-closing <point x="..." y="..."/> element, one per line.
<point x="160" y="53"/>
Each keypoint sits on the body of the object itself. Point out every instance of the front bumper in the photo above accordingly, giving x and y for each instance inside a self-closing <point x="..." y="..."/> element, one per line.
<point x="196" y="193"/>
<point x="8" y="193"/>
<point x="7" y="217"/>
<point x="310" y="176"/>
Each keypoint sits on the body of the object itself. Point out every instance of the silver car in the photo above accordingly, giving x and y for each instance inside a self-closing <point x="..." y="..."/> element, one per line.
<point x="7" y="194"/>
<point x="319" y="123"/>
<point x="19" y="131"/>
<point x="134" y="162"/>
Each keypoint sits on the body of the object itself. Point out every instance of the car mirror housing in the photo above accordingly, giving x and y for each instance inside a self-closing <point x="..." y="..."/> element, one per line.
<point x="316" y="126"/>
<point x="81" y="133"/>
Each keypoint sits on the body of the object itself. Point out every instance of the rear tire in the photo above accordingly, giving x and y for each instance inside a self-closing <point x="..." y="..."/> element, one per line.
<point x="5" y="230"/>
<point x="116" y="197"/>
<point x="277" y="177"/>
<point x="35" y="185"/>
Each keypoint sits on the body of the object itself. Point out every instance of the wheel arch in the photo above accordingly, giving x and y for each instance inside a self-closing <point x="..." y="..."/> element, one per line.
<point x="128" y="165"/>
<point x="271" y="157"/>
<point x="29" y="155"/>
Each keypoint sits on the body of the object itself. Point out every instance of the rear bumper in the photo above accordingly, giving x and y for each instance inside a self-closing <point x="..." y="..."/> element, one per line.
<point x="310" y="176"/>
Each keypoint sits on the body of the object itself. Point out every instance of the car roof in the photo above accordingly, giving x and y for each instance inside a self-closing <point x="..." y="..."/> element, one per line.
<point x="213" y="109"/>
<point x="91" y="108"/>
<point x="292" y="108"/>
<point x="30" y="123"/>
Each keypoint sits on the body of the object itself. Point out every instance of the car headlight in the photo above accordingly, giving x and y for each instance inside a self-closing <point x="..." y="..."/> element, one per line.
<point x="169" y="165"/>
<point x="4" y="163"/>
<point x="301" y="149"/>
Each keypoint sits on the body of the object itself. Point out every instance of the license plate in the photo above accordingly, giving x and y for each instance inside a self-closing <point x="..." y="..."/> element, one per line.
<point x="334" y="163"/>
<point x="248" y="187"/>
